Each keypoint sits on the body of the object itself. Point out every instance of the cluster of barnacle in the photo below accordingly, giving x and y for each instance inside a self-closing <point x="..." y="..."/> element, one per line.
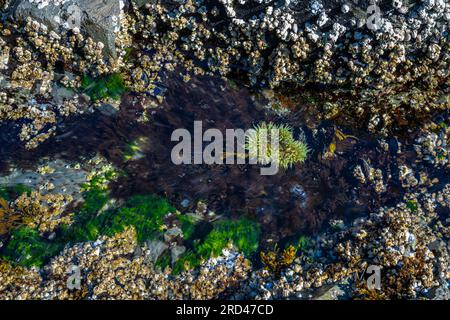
<point x="3" y="4"/>
<point x="244" y="37"/>
<point x="433" y="144"/>
<point x="403" y="242"/>
<point x="8" y="218"/>
<point x="111" y="267"/>
<point x="14" y="278"/>
<point x="43" y="212"/>
<point x="29" y="75"/>
<point x="147" y="67"/>
<point x="368" y="174"/>
<point x="193" y="38"/>
<point x="35" y="210"/>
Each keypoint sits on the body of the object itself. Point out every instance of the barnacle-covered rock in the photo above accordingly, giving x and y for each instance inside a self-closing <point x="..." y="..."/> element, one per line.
<point x="99" y="19"/>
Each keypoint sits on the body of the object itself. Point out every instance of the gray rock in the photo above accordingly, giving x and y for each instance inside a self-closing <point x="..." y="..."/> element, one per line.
<point x="185" y="203"/>
<point x="437" y="246"/>
<point x="176" y="252"/>
<point x="440" y="293"/>
<point x="172" y="233"/>
<point x="331" y="292"/>
<point x="141" y="3"/>
<point x="97" y="18"/>
<point x="155" y="249"/>
<point x="60" y="93"/>
<point x="108" y="110"/>
<point x="65" y="179"/>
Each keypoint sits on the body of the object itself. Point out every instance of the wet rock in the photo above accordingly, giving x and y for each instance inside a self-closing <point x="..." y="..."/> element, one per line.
<point x="57" y="176"/>
<point x="440" y="293"/>
<point x="330" y="293"/>
<point x="299" y="193"/>
<point x="108" y="109"/>
<point x="176" y="252"/>
<point x="172" y="233"/>
<point x="61" y="93"/>
<point x="155" y="249"/>
<point x="185" y="203"/>
<point x="437" y="246"/>
<point x="407" y="177"/>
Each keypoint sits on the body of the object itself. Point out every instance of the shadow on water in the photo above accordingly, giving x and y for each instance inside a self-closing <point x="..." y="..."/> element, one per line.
<point x="298" y="200"/>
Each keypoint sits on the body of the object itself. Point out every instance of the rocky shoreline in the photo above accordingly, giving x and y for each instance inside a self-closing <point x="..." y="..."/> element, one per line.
<point x="90" y="208"/>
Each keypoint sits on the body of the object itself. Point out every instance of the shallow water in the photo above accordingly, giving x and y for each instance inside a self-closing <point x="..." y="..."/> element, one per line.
<point x="297" y="201"/>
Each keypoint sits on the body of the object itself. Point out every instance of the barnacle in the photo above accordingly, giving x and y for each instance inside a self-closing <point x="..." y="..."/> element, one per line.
<point x="8" y="217"/>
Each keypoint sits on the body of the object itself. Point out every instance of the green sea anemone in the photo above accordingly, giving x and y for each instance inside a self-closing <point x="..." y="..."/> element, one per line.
<point x="260" y="145"/>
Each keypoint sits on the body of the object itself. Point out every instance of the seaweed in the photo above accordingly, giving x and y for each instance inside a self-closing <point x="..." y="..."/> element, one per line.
<point x="186" y="261"/>
<point x="131" y="150"/>
<point x="11" y="192"/>
<point x="27" y="248"/>
<point x="412" y="205"/>
<point x="95" y="197"/>
<point x="163" y="261"/>
<point x="110" y="86"/>
<point x="303" y="244"/>
<point x="128" y="52"/>
<point x="134" y="149"/>
<point x="243" y="233"/>
<point x="187" y="225"/>
<point x="144" y="212"/>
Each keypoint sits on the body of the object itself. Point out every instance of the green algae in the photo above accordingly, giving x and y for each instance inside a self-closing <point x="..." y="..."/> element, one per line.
<point x="135" y="149"/>
<point x="244" y="234"/>
<point x="163" y="261"/>
<point x="11" y="192"/>
<point x="303" y="244"/>
<point x="187" y="225"/>
<point x="186" y="261"/>
<point x="144" y="212"/>
<point x="27" y="248"/>
<point x="131" y="150"/>
<point x="128" y="52"/>
<point x="110" y="86"/>
<point x="412" y="205"/>
<point x="95" y="197"/>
